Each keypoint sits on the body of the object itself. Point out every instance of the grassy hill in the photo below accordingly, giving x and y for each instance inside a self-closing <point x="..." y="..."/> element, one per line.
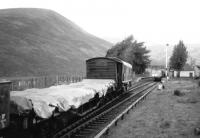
<point x="42" y="42"/>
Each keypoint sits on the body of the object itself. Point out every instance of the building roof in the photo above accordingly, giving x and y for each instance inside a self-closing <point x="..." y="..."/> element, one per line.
<point x="187" y="67"/>
<point x="157" y="66"/>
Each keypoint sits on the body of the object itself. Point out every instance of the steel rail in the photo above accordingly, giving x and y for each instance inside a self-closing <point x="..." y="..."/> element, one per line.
<point x="126" y="111"/>
<point x="76" y="124"/>
<point x="70" y="133"/>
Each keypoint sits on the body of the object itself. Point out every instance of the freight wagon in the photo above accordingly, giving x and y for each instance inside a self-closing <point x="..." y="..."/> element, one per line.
<point x="41" y="112"/>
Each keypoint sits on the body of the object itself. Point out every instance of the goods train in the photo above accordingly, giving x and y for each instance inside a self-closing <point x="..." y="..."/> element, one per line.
<point x="41" y="112"/>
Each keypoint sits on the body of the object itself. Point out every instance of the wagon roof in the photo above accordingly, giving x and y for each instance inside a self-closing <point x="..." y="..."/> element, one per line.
<point x="114" y="59"/>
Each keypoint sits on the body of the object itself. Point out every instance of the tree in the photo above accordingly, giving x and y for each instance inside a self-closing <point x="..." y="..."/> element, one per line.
<point x="119" y="50"/>
<point x="132" y="52"/>
<point x="139" y="57"/>
<point x="179" y="56"/>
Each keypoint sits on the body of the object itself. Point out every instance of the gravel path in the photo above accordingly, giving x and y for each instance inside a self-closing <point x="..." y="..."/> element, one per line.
<point x="163" y="115"/>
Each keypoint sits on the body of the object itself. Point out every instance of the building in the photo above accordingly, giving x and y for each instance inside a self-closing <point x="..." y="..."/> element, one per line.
<point x="187" y="71"/>
<point x="197" y="71"/>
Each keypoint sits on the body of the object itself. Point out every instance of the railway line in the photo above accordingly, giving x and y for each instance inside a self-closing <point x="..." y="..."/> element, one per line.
<point x="76" y="110"/>
<point x="99" y="121"/>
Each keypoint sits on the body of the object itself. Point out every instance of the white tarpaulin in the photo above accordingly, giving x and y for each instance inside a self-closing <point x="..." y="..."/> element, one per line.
<point x="44" y="101"/>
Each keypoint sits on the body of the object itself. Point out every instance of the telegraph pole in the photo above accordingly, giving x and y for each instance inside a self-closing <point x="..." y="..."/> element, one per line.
<point x="166" y="65"/>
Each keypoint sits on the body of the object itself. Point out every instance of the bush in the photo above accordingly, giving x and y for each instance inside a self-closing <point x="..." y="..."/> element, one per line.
<point x="197" y="131"/>
<point x="165" y="124"/>
<point x="178" y="93"/>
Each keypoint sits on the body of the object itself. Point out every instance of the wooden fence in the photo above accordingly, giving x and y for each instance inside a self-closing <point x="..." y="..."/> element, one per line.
<point x="42" y="82"/>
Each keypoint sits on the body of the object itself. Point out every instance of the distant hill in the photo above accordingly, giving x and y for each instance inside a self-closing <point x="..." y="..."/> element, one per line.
<point x="42" y="42"/>
<point x="158" y="53"/>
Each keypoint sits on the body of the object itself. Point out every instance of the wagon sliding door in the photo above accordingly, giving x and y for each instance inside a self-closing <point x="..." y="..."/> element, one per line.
<point x="119" y="74"/>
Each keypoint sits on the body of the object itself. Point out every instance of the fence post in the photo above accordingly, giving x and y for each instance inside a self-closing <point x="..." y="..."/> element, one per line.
<point x="56" y="79"/>
<point x="45" y="81"/>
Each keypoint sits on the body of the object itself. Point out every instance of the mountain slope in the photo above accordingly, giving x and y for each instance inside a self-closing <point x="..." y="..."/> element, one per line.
<point x="42" y="42"/>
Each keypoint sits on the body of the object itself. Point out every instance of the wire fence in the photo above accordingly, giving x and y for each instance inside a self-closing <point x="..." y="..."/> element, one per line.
<point x="43" y="82"/>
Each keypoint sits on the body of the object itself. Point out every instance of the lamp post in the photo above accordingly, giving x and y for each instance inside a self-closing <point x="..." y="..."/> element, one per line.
<point x="166" y="65"/>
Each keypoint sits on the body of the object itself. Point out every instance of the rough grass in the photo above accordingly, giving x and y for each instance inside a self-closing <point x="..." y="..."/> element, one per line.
<point x="191" y="100"/>
<point x="199" y="83"/>
<point x="163" y="115"/>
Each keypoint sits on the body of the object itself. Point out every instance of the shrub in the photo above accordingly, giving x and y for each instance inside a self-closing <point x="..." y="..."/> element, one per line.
<point x="177" y="93"/>
<point x="197" y="131"/>
<point x="165" y="124"/>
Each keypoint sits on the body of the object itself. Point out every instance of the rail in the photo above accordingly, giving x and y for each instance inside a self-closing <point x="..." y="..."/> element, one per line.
<point x="126" y="111"/>
<point x="69" y="133"/>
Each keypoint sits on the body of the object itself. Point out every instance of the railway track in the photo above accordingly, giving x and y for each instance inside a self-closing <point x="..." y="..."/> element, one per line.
<point x="125" y="111"/>
<point x="92" y="123"/>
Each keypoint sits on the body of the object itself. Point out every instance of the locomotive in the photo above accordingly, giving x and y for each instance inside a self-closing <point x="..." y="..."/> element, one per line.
<point x="114" y="73"/>
<point x="158" y="75"/>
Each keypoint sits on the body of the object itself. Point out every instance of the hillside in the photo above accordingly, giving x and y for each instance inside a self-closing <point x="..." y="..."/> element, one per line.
<point x="158" y="53"/>
<point x="42" y="42"/>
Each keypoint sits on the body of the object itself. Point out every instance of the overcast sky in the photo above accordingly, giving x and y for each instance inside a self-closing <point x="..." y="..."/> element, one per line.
<point x="151" y="21"/>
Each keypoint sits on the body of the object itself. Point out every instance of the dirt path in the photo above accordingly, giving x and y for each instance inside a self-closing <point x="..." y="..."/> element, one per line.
<point x="164" y="115"/>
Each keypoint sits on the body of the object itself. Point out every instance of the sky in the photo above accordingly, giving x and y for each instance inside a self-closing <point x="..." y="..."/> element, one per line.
<point x="150" y="21"/>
